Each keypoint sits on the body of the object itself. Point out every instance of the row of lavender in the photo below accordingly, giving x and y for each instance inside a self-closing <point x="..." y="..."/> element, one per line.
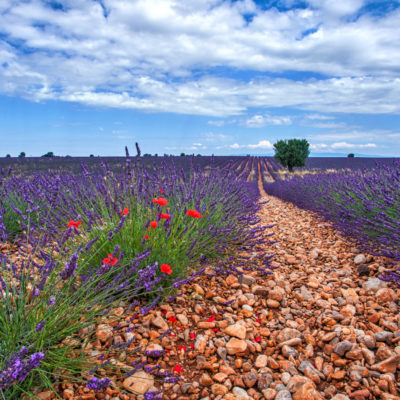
<point x="88" y="243"/>
<point x="363" y="203"/>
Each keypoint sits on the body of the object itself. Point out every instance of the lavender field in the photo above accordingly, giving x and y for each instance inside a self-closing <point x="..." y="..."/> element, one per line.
<point x="81" y="237"/>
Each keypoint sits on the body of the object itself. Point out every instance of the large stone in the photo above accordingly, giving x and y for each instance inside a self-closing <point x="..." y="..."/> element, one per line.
<point x="360" y="259"/>
<point x="307" y="392"/>
<point x="159" y="322"/>
<point x="104" y="332"/>
<point x="385" y="295"/>
<point x="261" y="361"/>
<point x="206" y="380"/>
<point x="247" y="279"/>
<point x="235" y="346"/>
<point x="219" y="390"/>
<point x="343" y="347"/>
<point x="240" y="393"/>
<point x="182" y="319"/>
<point x="139" y="383"/>
<point x="283" y="395"/>
<point x="201" y="343"/>
<point x="388" y="365"/>
<point x="287" y="334"/>
<point x="236" y="330"/>
<point x="373" y="285"/>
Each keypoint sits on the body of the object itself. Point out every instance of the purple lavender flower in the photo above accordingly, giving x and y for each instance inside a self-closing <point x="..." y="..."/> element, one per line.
<point x="39" y="327"/>
<point x="98" y="384"/>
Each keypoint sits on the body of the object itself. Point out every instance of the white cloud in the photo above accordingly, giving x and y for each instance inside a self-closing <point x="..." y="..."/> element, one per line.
<point x="345" y="145"/>
<point x="258" y="121"/>
<point x="318" y="117"/>
<point x="331" y="147"/>
<point x="262" y="144"/>
<point x="141" y="56"/>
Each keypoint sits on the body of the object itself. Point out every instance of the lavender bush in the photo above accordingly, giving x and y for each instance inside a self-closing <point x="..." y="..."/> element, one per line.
<point x="363" y="204"/>
<point x="83" y="250"/>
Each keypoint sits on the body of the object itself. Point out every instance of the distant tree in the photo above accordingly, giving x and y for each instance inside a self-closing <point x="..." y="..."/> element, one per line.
<point x="21" y="155"/>
<point x="182" y="154"/>
<point x="155" y="155"/>
<point x="8" y="155"/>
<point x="91" y="155"/>
<point x="292" y="153"/>
<point x="146" y="155"/>
<point x="199" y="155"/>
<point x="68" y="156"/>
<point x="48" y="154"/>
<point x="350" y="155"/>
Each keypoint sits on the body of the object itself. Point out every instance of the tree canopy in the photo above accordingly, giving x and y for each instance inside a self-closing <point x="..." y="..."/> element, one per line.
<point x="292" y="153"/>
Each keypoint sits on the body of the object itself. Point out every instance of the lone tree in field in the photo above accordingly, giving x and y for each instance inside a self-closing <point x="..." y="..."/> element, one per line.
<point x="350" y="155"/>
<point x="22" y="154"/>
<point x="292" y="153"/>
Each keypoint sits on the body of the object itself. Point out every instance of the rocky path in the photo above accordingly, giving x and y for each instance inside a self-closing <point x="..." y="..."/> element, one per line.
<point x="322" y="326"/>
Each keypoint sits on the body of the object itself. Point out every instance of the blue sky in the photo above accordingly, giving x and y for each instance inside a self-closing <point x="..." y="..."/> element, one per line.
<point x="200" y="76"/>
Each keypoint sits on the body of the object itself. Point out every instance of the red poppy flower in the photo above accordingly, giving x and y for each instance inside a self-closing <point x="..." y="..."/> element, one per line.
<point x="153" y="224"/>
<point x="192" y="335"/>
<point x="125" y="211"/>
<point x="166" y="269"/>
<point x="172" y="334"/>
<point x="74" y="224"/>
<point x="172" y="319"/>
<point x="110" y="260"/>
<point x="181" y="328"/>
<point x="211" y="319"/>
<point x="258" y="320"/>
<point x="215" y="329"/>
<point x="160" y="201"/>
<point x="191" y="345"/>
<point x="164" y="312"/>
<point x="194" y="214"/>
<point x="167" y="351"/>
<point x="257" y="339"/>
<point x="165" y="216"/>
<point x="145" y="237"/>
<point x="178" y="369"/>
<point x="161" y="190"/>
<point x="182" y="348"/>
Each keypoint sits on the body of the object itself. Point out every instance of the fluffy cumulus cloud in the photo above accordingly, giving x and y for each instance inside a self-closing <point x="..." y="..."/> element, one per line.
<point x="164" y="55"/>
<point x="262" y="144"/>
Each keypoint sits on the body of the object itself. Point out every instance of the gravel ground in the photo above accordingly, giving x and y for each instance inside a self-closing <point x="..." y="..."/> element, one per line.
<point x="321" y="326"/>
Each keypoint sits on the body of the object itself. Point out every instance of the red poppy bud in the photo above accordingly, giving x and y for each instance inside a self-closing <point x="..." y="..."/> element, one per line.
<point x="166" y="269"/>
<point x="178" y="369"/>
<point x="153" y="224"/>
<point x="211" y="319"/>
<point x="194" y="214"/>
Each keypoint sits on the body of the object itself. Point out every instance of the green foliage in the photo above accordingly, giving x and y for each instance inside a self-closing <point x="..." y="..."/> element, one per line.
<point x="350" y="155"/>
<point x="48" y="154"/>
<point x="13" y="208"/>
<point x="182" y="154"/>
<point x="8" y="155"/>
<point x="22" y="154"/>
<point x="292" y="153"/>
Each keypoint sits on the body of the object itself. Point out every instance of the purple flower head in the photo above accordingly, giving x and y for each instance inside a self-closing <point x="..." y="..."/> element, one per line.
<point x="98" y="384"/>
<point x="39" y="327"/>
